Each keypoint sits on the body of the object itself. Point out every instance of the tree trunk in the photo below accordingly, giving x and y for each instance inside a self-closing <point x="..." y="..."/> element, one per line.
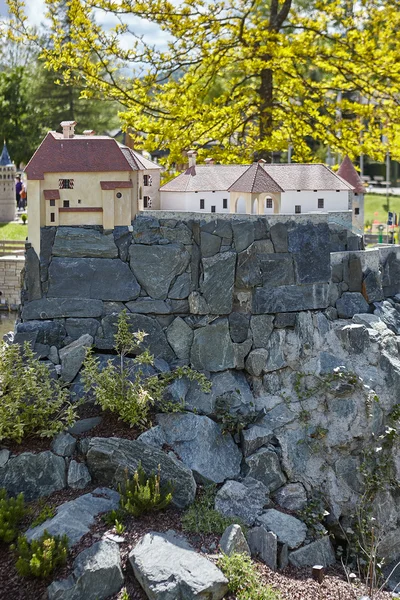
<point x="266" y="103"/>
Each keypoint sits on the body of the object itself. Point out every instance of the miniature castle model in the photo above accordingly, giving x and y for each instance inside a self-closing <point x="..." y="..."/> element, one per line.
<point x="265" y="189"/>
<point x="7" y="187"/>
<point x="87" y="180"/>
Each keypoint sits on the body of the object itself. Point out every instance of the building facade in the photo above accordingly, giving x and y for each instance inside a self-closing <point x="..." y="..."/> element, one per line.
<point x="7" y="187"/>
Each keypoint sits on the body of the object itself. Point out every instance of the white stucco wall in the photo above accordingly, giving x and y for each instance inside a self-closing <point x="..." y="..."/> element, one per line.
<point x="190" y="201"/>
<point x="308" y="200"/>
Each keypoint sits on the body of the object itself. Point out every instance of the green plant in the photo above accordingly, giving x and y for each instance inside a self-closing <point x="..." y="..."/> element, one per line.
<point x="31" y="402"/>
<point x="113" y="516"/>
<point x="142" y="493"/>
<point x="24" y="218"/>
<point x="124" y="595"/>
<point x="12" y="511"/>
<point x="201" y="516"/>
<point x="46" y="512"/>
<point x="125" y="388"/>
<point x="39" y="558"/>
<point x="244" y="579"/>
<point x="119" y="527"/>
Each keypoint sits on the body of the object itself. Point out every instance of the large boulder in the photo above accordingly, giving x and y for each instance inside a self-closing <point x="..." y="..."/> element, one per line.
<point x="167" y="567"/>
<point x="212" y="348"/>
<point x="229" y="386"/>
<point x="264" y="466"/>
<point x="82" y="242"/>
<point x="202" y="447"/>
<point x="35" y="475"/>
<point x="97" y="575"/>
<point x="263" y="545"/>
<point x="109" y="459"/>
<point x="218" y="280"/>
<point x="351" y="303"/>
<point x="245" y="500"/>
<point x="288" y="529"/>
<point x="316" y="553"/>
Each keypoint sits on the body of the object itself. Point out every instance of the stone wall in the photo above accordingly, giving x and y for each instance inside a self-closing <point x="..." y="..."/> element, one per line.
<point x="10" y="280"/>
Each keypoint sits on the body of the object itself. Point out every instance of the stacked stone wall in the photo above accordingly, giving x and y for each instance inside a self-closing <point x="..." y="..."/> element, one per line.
<point x="10" y="280"/>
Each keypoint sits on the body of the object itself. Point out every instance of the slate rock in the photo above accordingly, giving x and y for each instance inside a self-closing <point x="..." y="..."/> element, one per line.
<point x="148" y="306"/>
<point x="256" y="361"/>
<point x="180" y="337"/>
<point x="292" y="496"/>
<point x="233" y="541"/>
<point x="180" y="233"/>
<point x="317" y="553"/>
<point x="78" y="475"/>
<point x="122" y="239"/>
<point x="244" y="500"/>
<point x="283" y="320"/>
<point x="109" y="458"/>
<point x="352" y="273"/>
<point x="47" y="332"/>
<point x="248" y="272"/>
<point x="77" y="327"/>
<point x="351" y="303"/>
<point x="220" y="227"/>
<point x="167" y="567"/>
<point x="212" y="348"/>
<point x="239" y="326"/>
<point x="275" y="346"/>
<point x="279" y="237"/>
<point x="389" y="315"/>
<point x="218" y="280"/>
<point x="35" y="475"/>
<point x="232" y="382"/>
<point x="47" y="235"/>
<point x="261" y="329"/>
<point x="366" y="319"/>
<point x="82" y="242"/>
<point x="84" y="425"/>
<point x="372" y="287"/>
<point x="288" y="529"/>
<point x="311" y="253"/>
<point x="154" y="436"/>
<point x="73" y="355"/>
<point x="254" y="438"/>
<point x="64" y="444"/>
<point x="354" y="338"/>
<point x="146" y="230"/>
<point x="264" y="466"/>
<point x="32" y="274"/>
<point x="181" y="288"/>
<point x="391" y="275"/>
<point x="261" y="228"/>
<point x="56" y="308"/>
<point x="291" y="298"/>
<point x="4" y="456"/>
<point x="201" y="446"/>
<point x="276" y="269"/>
<point x="263" y="545"/>
<point x="240" y="352"/>
<point x="157" y="266"/>
<point x="243" y="234"/>
<point x="209" y="244"/>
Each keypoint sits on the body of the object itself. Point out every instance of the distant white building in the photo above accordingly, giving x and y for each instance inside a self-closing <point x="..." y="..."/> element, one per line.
<point x="7" y="187"/>
<point x="260" y="188"/>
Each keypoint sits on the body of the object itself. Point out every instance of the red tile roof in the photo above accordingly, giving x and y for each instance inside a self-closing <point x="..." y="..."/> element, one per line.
<point x="51" y="194"/>
<point x="113" y="185"/>
<point x="348" y="173"/>
<point x="255" y="180"/>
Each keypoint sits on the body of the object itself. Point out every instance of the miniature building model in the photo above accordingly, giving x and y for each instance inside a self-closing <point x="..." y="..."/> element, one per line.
<point x="261" y="189"/>
<point x="7" y="187"/>
<point x="87" y="180"/>
<point x="348" y="172"/>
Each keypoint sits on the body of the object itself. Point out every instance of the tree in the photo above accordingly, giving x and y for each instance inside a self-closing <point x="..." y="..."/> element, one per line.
<point x="249" y="76"/>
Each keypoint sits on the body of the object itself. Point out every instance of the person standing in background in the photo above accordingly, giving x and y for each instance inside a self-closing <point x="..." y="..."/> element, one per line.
<point x="18" y="188"/>
<point x="22" y="196"/>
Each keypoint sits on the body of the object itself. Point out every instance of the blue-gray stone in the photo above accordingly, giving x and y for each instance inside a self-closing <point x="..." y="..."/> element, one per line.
<point x="32" y="275"/>
<point x="122" y="239"/>
<point x="209" y="244"/>
<point x="82" y="242"/>
<point x="47" y="235"/>
<point x="218" y="280"/>
<point x="146" y="230"/>
<point x="76" y="327"/>
<point x="244" y="500"/>
<point x="149" y="306"/>
<point x="311" y="253"/>
<point x="319" y="552"/>
<point x="212" y="348"/>
<point x="351" y="303"/>
<point x="391" y="275"/>
<point x="372" y="287"/>
<point x="290" y="298"/>
<point x="35" y="475"/>
<point x="243" y="234"/>
<point x="180" y="233"/>
<point x="279" y="237"/>
<point x="276" y="269"/>
<point x="48" y="332"/>
<point x="181" y="288"/>
<point x="239" y="326"/>
<point x="288" y="529"/>
<point x="56" y="308"/>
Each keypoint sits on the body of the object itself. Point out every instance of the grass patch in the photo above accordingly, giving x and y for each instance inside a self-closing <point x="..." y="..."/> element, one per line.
<point x="375" y="207"/>
<point x="13" y="231"/>
<point x="201" y="517"/>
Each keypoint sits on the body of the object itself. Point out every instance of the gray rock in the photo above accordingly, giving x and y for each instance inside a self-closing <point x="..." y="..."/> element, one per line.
<point x="181" y="288"/>
<point x="201" y="446"/>
<point x="167" y="567"/>
<point x="389" y="315"/>
<point x="78" y="475"/>
<point x="253" y="438"/>
<point x="337" y="273"/>
<point x="218" y="280"/>
<point x="212" y="348"/>
<point x="4" y="456"/>
<point x="180" y="233"/>
<point x="32" y="274"/>
<point x="261" y="328"/>
<point x="276" y="269"/>
<point x="47" y="235"/>
<point x="372" y="287"/>
<point x="261" y="228"/>
<point x="55" y="308"/>
<point x="233" y="541"/>
<point x="289" y="530"/>
<point x="219" y="227"/>
<point x="47" y="332"/>
<point x="95" y="278"/>
<point x="122" y="239"/>
<point x="209" y="244"/>
<point x="35" y="475"/>
<point x="391" y="275"/>
<point x="154" y="436"/>
<point x="275" y="346"/>
<point x="283" y="556"/>
<point x="352" y="273"/>
<point x="180" y="337"/>
<point x="41" y="351"/>
<point x="64" y="444"/>
<point x="354" y="338"/>
<point x="283" y="320"/>
<point x="80" y="242"/>
<point x="84" y="425"/>
<point x="22" y="337"/>
<point x="197" y="304"/>
<point x="290" y="298"/>
<point x="256" y="361"/>
<point x="110" y="308"/>
<point x="109" y="458"/>
<point x="97" y="575"/>
<point x="148" y="306"/>
<point x="244" y="500"/>
<point x="366" y="319"/>
<point x="311" y="253"/>
<point x="77" y="327"/>
<point x="157" y="266"/>
<point x="240" y="352"/>
<point x="238" y="327"/>
<point x="243" y="234"/>
<point x="73" y="355"/>
<point x="248" y="272"/>
<point x="265" y="467"/>
<point x="232" y="383"/>
<point x="316" y="553"/>
<point x="146" y="230"/>
<point x="291" y="497"/>
<point x="263" y="545"/>
<point x="279" y="237"/>
<point x="351" y="303"/>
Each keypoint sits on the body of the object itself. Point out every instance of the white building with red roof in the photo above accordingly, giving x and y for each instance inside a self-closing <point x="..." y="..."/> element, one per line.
<point x="87" y="180"/>
<point x="261" y="188"/>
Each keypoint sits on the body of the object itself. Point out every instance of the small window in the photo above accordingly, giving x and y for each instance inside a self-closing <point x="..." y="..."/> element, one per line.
<point x="147" y="180"/>
<point x="315" y="190"/>
<point x="201" y="203"/>
<point x="297" y="209"/>
<point x="320" y="203"/>
<point x="119" y="195"/>
<point x="338" y="190"/>
<point x="52" y="217"/>
<point x="269" y="203"/>
<point x="66" y="203"/>
<point x="356" y="211"/>
<point x="213" y="209"/>
<point x="355" y="193"/>
<point x="299" y="190"/>
<point x="79" y="201"/>
<point x="146" y="202"/>
<point x="52" y="202"/>
<point x="66" y="184"/>
<point x="225" y="203"/>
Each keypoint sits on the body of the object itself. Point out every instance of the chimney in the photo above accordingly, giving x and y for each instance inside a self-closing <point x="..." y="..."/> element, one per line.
<point x="89" y="132"/>
<point x="68" y="128"/>
<point x="192" y="158"/>
<point x="209" y="161"/>
<point x="262" y="161"/>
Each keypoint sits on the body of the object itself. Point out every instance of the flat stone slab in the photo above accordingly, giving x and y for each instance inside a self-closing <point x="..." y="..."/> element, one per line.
<point x="168" y="568"/>
<point x="290" y="298"/>
<point x="75" y="518"/>
<point x="58" y="308"/>
<point x="84" y="425"/>
<point x="79" y="242"/>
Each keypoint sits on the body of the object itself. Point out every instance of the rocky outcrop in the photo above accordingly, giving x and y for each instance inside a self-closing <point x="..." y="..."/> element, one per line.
<point x="244" y="500"/>
<point x="35" y="475"/>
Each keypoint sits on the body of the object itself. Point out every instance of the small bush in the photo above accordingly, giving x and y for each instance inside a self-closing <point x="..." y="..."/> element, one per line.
<point x="142" y="494"/>
<point x="47" y="512"/>
<point x="24" y="218"/>
<point x="40" y="557"/>
<point x="113" y="516"/>
<point x="201" y="517"/>
<point x="12" y="511"/>
<point x="244" y="579"/>
<point x="31" y="402"/>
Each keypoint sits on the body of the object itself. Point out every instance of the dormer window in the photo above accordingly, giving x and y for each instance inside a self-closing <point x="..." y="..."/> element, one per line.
<point x="65" y="184"/>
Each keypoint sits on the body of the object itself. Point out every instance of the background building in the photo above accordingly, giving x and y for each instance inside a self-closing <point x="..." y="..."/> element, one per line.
<point x="7" y="187"/>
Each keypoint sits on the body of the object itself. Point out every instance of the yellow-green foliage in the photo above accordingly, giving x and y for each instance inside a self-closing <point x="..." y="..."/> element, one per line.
<point x="201" y="517"/>
<point x="31" y="402"/>
<point x="12" y="510"/>
<point x="141" y="494"/>
<point x="244" y="580"/>
<point x="40" y="557"/>
<point x="47" y="512"/>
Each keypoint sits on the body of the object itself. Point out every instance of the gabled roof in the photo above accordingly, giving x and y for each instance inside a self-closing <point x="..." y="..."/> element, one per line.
<point x="5" y="157"/>
<point x="296" y="176"/>
<point x="255" y="180"/>
<point x="203" y="178"/>
<point x="348" y="173"/>
<point x="83" y="154"/>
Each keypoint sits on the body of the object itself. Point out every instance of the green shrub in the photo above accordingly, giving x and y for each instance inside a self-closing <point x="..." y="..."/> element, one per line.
<point x="24" y="218"/>
<point x="39" y="558"/>
<point x="12" y="511"/>
<point x="141" y="494"/>
<point x="111" y="517"/>
<point x="31" y="402"/>
<point x="201" y="517"/>
<point x="132" y="395"/>
<point x="46" y="512"/>
<point x="244" y="579"/>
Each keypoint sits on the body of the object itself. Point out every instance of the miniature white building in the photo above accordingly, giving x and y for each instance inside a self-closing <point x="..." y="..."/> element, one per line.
<point x="87" y="180"/>
<point x="259" y="188"/>
<point x="7" y="187"/>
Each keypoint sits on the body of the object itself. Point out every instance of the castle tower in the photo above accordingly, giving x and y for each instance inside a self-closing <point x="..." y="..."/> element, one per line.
<point x="348" y="173"/>
<point x="7" y="187"/>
